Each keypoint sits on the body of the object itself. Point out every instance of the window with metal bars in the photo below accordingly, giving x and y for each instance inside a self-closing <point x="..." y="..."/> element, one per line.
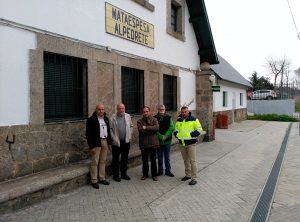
<point x="133" y="89"/>
<point x="170" y="92"/>
<point x="65" y="87"/>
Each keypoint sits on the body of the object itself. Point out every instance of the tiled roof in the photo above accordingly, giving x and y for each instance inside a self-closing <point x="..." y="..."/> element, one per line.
<point x="226" y="72"/>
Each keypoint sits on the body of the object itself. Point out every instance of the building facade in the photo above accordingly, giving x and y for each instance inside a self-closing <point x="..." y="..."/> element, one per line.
<point x="231" y="100"/>
<point x="60" y="59"/>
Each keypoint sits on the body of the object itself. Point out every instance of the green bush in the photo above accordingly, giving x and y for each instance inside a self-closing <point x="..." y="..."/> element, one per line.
<point x="297" y="106"/>
<point x="273" y="117"/>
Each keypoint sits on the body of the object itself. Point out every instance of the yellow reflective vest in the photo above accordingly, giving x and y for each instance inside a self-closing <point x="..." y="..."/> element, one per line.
<point x="187" y="130"/>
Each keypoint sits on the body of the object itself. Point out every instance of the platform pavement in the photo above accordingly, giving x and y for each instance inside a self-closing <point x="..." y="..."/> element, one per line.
<point x="232" y="171"/>
<point x="286" y="204"/>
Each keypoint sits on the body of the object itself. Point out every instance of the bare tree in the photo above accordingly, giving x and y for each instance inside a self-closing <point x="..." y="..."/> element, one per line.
<point x="297" y="73"/>
<point x="287" y="74"/>
<point x="279" y="68"/>
<point x="297" y="76"/>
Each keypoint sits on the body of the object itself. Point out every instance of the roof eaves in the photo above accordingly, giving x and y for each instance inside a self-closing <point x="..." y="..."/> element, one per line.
<point x="200" y="22"/>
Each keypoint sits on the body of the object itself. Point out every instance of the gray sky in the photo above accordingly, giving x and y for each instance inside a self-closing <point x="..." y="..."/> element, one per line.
<point x="248" y="32"/>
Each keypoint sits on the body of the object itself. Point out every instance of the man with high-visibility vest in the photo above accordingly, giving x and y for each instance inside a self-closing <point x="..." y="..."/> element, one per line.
<point x="187" y="129"/>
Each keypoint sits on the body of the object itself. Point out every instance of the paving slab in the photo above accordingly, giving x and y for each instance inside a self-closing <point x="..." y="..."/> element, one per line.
<point x="232" y="172"/>
<point x="286" y="203"/>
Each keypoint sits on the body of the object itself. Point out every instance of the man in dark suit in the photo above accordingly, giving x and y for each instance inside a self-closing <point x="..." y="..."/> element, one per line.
<point x="99" y="140"/>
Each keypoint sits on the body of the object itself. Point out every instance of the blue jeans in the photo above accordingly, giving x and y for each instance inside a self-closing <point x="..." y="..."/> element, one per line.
<point x="164" y="151"/>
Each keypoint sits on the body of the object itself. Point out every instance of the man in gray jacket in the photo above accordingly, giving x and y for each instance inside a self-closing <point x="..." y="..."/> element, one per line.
<point x="121" y="132"/>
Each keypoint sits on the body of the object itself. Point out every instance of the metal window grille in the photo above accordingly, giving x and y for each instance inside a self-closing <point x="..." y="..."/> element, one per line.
<point x="133" y="89"/>
<point x="65" y="90"/>
<point x="170" y="92"/>
<point x="174" y="16"/>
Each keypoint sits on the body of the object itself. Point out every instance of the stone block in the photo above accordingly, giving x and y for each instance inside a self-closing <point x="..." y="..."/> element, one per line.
<point x="64" y="147"/>
<point x="85" y="154"/>
<point x="43" y="164"/>
<point x="58" y="160"/>
<point x="205" y="98"/>
<point x="36" y="127"/>
<point x="199" y="91"/>
<point x="75" y="157"/>
<point x="51" y="149"/>
<point x="105" y="89"/>
<point x="40" y="137"/>
<point x="24" y="138"/>
<point x="79" y="144"/>
<point x="18" y="129"/>
<point x="23" y="168"/>
<point x="4" y="131"/>
<point x="7" y="169"/>
<point x="18" y="152"/>
<point x="36" y="152"/>
<point x="55" y="138"/>
<point x="153" y="90"/>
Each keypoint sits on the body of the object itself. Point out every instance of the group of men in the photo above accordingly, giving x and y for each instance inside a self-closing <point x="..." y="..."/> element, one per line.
<point x="155" y="136"/>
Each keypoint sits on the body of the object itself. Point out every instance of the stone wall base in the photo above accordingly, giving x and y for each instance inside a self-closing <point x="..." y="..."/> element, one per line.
<point x="237" y="115"/>
<point x="40" y="147"/>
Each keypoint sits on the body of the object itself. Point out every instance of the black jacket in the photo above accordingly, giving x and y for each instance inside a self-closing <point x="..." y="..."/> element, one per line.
<point x="92" y="132"/>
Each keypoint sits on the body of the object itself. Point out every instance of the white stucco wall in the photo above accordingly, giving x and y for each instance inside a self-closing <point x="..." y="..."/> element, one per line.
<point x="187" y="88"/>
<point x="85" y="20"/>
<point x="14" y="75"/>
<point x="234" y="91"/>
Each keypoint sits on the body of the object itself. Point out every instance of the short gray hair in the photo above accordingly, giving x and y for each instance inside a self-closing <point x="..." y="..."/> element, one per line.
<point x="161" y="106"/>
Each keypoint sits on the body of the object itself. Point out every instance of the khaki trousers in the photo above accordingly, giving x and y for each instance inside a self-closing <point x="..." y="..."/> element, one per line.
<point x="98" y="163"/>
<point x="189" y="157"/>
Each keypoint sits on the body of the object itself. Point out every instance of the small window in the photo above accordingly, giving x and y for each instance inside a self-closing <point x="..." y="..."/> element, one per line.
<point x="65" y="87"/>
<point x="241" y="99"/>
<point x="170" y="92"/>
<point x="225" y="98"/>
<point x="174" y="18"/>
<point x="133" y="89"/>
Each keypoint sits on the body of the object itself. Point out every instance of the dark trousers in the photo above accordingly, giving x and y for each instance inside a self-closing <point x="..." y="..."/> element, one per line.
<point x="163" y="152"/>
<point x="146" y="153"/>
<point x="123" y="150"/>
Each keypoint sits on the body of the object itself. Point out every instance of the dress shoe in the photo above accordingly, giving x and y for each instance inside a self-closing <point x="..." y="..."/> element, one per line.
<point x="104" y="182"/>
<point x="95" y="185"/>
<point x="170" y="174"/>
<point x="185" y="178"/>
<point x="154" y="178"/>
<point x="159" y="174"/>
<point x="144" y="178"/>
<point x="118" y="179"/>
<point x="125" y="177"/>
<point x="192" y="182"/>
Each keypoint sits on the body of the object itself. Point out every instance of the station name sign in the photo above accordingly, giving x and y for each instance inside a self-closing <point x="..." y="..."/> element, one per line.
<point x="127" y="26"/>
